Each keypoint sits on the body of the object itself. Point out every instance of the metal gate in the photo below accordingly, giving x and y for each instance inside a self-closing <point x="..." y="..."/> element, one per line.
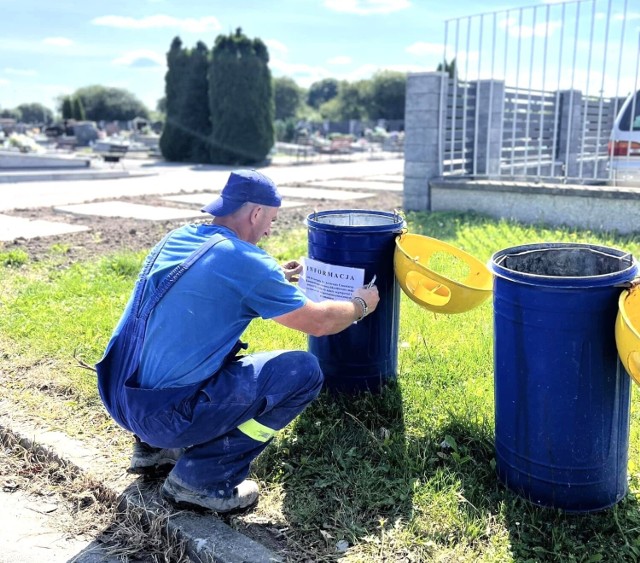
<point x="533" y="92"/>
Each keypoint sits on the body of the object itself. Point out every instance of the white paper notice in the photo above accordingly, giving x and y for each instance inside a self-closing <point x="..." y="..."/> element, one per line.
<point x="320" y="281"/>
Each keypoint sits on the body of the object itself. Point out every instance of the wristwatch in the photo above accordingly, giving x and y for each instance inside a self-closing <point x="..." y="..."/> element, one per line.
<point x="363" y="304"/>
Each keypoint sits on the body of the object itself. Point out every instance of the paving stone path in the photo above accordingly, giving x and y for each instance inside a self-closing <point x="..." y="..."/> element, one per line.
<point x="328" y="189"/>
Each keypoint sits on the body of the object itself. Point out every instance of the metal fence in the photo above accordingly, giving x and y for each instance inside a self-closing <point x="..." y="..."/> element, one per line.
<point x="533" y="92"/>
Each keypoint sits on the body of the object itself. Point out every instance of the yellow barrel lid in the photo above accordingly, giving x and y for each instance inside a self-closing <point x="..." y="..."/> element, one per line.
<point x="433" y="290"/>
<point x="628" y="331"/>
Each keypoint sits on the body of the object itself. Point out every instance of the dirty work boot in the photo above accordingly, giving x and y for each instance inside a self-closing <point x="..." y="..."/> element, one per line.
<point x="147" y="460"/>
<point x="243" y="496"/>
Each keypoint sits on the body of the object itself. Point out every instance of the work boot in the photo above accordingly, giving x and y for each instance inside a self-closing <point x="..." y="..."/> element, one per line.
<point x="147" y="460"/>
<point x="243" y="496"/>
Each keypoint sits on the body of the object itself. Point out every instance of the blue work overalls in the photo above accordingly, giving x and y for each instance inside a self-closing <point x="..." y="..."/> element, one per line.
<point x="225" y="421"/>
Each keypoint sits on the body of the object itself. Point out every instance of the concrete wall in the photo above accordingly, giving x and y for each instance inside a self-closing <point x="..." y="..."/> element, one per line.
<point x="425" y="188"/>
<point x="423" y="119"/>
<point x="586" y="207"/>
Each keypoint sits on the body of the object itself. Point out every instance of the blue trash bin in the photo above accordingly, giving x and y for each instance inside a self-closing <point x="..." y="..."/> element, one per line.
<point x="561" y="396"/>
<point x="364" y="356"/>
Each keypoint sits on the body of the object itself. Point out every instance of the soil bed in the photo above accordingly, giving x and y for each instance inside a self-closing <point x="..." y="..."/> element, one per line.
<point x="112" y="234"/>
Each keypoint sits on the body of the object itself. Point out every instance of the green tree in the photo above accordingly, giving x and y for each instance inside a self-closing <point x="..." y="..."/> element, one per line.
<point x="110" y="104"/>
<point x="195" y="113"/>
<point x="450" y="68"/>
<point x="287" y="96"/>
<point x="175" y="140"/>
<point x="322" y="91"/>
<point x="77" y="110"/>
<point x="185" y="136"/>
<point x="241" y="100"/>
<point x="352" y="102"/>
<point x="285" y="130"/>
<point x="10" y="113"/>
<point x="388" y="92"/>
<point x="35" y="113"/>
<point x="67" y="108"/>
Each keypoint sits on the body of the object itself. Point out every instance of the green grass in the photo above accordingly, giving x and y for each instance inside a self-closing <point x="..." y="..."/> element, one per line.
<point x="407" y="475"/>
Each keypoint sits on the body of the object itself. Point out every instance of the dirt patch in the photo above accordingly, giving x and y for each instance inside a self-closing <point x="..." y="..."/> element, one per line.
<point x="112" y="234"/>
<point x="83" y="506"/>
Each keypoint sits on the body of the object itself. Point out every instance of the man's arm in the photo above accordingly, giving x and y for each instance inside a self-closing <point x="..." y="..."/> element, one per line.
<point x="330" y="317"/>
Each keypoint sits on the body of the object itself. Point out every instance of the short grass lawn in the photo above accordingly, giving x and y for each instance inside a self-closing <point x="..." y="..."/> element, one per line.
<point x="407" y="475"/>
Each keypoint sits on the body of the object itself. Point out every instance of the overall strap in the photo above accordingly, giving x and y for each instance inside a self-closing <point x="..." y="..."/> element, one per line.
<point x="174" y="275"/>
<point x="141" y="282"/>
<point x="122" y="357"/>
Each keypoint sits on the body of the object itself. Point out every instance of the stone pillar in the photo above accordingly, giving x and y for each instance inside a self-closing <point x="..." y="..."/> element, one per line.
<point x="422" y="140"/>
<point x="570" y="131"/>
<point x="490" y="113"/>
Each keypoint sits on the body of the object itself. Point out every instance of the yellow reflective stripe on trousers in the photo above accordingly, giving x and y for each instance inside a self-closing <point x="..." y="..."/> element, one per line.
<point x="256" y="431"/>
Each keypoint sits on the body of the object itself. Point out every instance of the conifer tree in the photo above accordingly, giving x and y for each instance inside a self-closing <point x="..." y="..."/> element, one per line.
<point x="67" y="108"/>
<point x="77" y="109"/>
<point x="195" y="116"/>
<point x="241" y="100"/>
<point x="175" y="140"/>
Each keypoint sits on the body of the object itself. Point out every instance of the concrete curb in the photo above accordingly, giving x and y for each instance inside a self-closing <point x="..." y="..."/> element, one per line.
<point x="579" y="206"/>
<point x="207" y="538"/>
<point x="68" y="175"/>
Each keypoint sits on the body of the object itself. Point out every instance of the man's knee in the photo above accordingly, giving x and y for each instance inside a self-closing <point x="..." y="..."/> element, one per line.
<point x="303" y="368"/>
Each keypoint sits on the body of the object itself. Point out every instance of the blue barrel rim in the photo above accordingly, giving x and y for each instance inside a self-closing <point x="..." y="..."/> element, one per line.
<point x="396" y="226"/>
<point x="600" y="280"/>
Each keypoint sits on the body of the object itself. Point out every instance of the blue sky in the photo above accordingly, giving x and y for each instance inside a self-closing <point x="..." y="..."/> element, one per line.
<point x="51" y="48"/>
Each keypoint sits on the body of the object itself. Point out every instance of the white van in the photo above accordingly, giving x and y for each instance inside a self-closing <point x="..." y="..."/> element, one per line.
<point x="624" y="144"/>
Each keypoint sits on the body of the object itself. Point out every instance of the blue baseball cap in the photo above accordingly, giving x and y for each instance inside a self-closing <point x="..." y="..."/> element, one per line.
<point x="241" y="187"/>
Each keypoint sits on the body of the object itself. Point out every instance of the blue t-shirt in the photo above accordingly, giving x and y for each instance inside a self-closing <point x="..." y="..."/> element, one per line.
<point x="197" y="323"/>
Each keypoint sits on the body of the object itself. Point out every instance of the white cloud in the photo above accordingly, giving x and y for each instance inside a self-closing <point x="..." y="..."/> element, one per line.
<point x="421" y="48"/>
<point x="408" y="68"/>
<point x="141" y="58"/>
<point x="20" y="71"/>
<point x="4" y="82"/>
<point x="366" y="7"/>
<point x="435" y="51"/>
<point x="368" y="70"/>
<point x="304" y="75"/>
<point x="629" y="17"/>
<point x="159" y="21"/>
<point x="362" y="72"/>
<point x="340" y="60"/>
<point x="275" y="45"/>
<point x="58" y="41"/>
<point x="527" y="31"/>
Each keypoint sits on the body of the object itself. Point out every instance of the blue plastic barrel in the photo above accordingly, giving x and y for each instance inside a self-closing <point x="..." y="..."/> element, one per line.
<point x="364" y="356"/>
<point x="561" y="396"/>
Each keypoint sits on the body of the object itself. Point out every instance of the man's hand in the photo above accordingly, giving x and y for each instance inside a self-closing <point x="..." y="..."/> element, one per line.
<point x="330" y="317"/>
<point x="292" y="270"/>
<point x="370" y="296"/>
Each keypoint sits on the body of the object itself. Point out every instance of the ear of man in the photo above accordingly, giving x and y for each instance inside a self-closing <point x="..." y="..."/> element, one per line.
<point x="254" y="211"/>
